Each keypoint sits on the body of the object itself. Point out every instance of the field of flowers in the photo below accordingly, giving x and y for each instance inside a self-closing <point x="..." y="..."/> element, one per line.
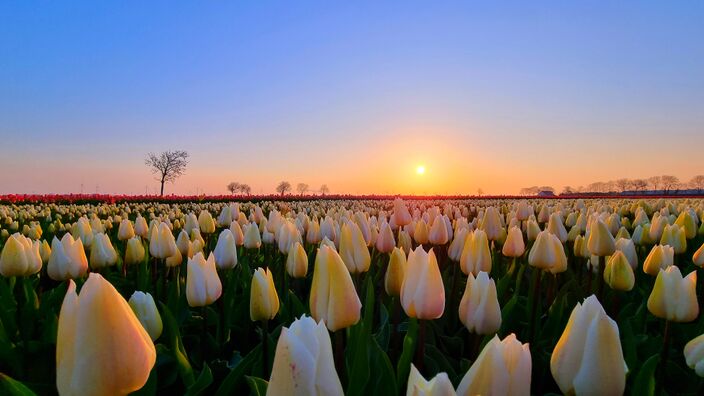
<point x="351" y="296"/>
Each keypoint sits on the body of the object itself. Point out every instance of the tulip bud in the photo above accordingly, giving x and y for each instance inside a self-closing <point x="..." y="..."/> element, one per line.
<point x="660" y="257"/>
<point x="491" y="223"/>
<point x="476" y="256"/>
<point x="20" y="257"/>
<point x="454" y="252"/>
<point x="588" y="359"/>
<point x="393" y="280"/>
<point x="45" y="251"/>
<point x="440" y="385"/>
<point x="438" y="232"/>
<point x="420" y="232"/>
<point x="674" y="298"/>
<point x="263" y="299"/>
<point x="206" y="222"/>
<point x="134" y="253"/>
<point x="176" y="259"/>
<point x="237" y="233"/>
<point x="143" y="306"/>
<point x="401" y="214"/>
<point x="303" y="364"/>
<point x="140" y="227"/>
<point x="101" y="347"/>
<point x="532" y="230"/>
<point x="479" y="308"/>
<point x="629" y="250"/>
<point x="674" y="236"/>
<point x="502" y="368"/>
<point x="252" y="239"/>
<point x="422" y="291"/>
<point x="297" y="261"/>
<point x="313" y="234"/>
<point x="385" y="242"/>
<point x="514" y="245"/>
<point x="353" y="249"/>
<point x="601" y="242"/>
<point x="68" y="259"/>
<point x="694" y="355"/>
<point x="225" y="251"/>
<point x="203" y="285"/>
<point x="543" y="254"/>
<point x="333" y="298"/>
<point x="560" y="256"/>
<point x="102" y="254"/>
<point x="161" y="243"/>
<point x="126" y="231"/>
<point x="698" y="258"/>
<point x="404" y="242"/>
<point x="618" y="273"/>
<point x="556" y="227"/>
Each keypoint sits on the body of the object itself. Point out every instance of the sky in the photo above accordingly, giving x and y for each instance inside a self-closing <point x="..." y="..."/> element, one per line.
<point x="355" y="95"/>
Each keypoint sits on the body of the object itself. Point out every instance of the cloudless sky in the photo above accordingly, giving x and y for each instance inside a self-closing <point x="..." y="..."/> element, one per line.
<point x="355" y="95"/>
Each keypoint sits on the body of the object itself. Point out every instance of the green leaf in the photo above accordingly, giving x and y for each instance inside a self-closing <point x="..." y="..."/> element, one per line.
<point x="359" y="345"/>
<point x="403" y="367"/>
<point x="231" y="382"/>
<point x="383" y="380"/>
<point x="257" y="385"/>
<point x="202" y="383"/>
<point x="172" y="337"/>
<point x="11" y="387"/>
<point x="644" y="383"/>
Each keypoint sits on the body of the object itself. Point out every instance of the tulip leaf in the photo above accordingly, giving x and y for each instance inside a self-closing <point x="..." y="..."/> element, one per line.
<point x="257" y="386"/>
<point x="11" y="387"/>
<point x="644" y="383"/>
<point x="383" y="382"/>
<point x="172" y="334"/>
<point x="403" y="368"/>
<point x="359" y="344"/>
<point x="232" y="381"/>
<point x="205" y="378"/>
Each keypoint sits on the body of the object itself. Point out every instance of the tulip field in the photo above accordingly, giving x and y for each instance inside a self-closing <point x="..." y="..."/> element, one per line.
<point x="593" y="296"/>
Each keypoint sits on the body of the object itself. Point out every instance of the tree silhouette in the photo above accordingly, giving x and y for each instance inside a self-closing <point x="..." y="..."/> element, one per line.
<point x="168" y="165"/>
<point x="283" y="187"/>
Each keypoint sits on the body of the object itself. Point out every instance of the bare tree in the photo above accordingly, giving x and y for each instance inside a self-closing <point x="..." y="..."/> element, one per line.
<point x="245" y="189"/>
<point x="669" y="182"/>
<point x="283" y="187"/>
<point x="480" y="192"/>
<point x="622" y="184"/>
<point x="530" y="190"/>
<point x="302" y="188"/>
<point x="324" y="189"/>
<point x="168" y="165"/>
<point x="567" y="190"/>
<point x="655" y="182"/>
<point x="639" y="184"/>
<point x="697" y="182"/>
<point x="233" y="187"/>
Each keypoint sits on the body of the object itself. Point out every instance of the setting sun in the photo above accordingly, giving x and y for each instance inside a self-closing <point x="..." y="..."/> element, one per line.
<point x="420" y="170"/>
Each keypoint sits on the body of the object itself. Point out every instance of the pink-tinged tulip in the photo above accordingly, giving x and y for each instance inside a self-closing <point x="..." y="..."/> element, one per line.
<point x="438" y="232"/>
<point x="237" y="233"/>
<point x="454" y="251"/>
<point x="601" y="242"/>
<point x="561" y="258"/>
<point x="674" y="298"/>
<point x="660" y="257"/>
<point x="286" y="235"/>
<point x="353" y="249"/>
<point x="502" y="368"/>
<point x="140" y="227"/>
<point x="144" y="308"/>
<point x="297" y="261"/>
<point x="225" y="251"/>
<point x="440" y="385"/>
<point x="476" y="256"/>
<point x="313" y="234"/>
<point x="263" y="299"/>
<point x="102" y="254"/>
<point x="303" y="364"/>
<point x="698" y="257"/>
<point x="393" y="279"/>
<point x="618" y="273"/>
<point x="20" y="257"/>
<point x="162" y="243"/>
<point x="588" y="359"/>
<point x="479" y="308"/>
<point x="203" y="286"/>
<point x="68" y="259"/>
<point x="694" y="355"/>
<point x="361" y="221"/>
<point x="385" y="242"/>
<point x="514" y="245"/>
<point x="333" y="298"/>
<point x="491" y="223"/>
<point x="401" y="215"/>
<point x="556" y="227"/>
<point x="422" y="291"/>
<point x="101" y="347"/>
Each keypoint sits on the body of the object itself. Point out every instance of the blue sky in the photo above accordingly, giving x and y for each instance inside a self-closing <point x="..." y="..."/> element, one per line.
<point x="352" y="95"/>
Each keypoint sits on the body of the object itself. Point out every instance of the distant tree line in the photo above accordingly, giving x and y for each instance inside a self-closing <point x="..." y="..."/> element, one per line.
<point x="282" y="188"/>
<point x="664" y="183"/>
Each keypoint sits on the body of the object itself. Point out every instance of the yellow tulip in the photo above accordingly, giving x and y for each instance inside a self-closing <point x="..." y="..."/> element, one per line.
<point x="101" y="347"/>
<point x="514" y="245"/>
<point x="263" y="299"/>
<point x="479" y="308"/>
<point x="660" y="257"/>
<point x="20" y="257"/>
<point x="134" y="254"/>
<point x="694" y="354"/>
<point x="601" y="242"/>
<point x="422" y="291"/>
<point x="333" y="298"/>
<point x="674" y="298"/>
<point x="297" y="261"/>
<point x="206" y="222"/>
<point x="476" y="256"/>
<point x="618" y="273"/>
<point x="353" y="249"/>
<point x="393" y="279"/>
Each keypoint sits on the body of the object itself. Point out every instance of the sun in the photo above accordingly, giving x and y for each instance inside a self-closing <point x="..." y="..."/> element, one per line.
<point x="420" y="170"/>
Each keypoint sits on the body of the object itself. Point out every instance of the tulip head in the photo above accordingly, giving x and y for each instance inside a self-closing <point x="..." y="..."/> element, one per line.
<point x="264" y="301"/>
<point x="20" y="257"/>
<point x="393" y="279"/>
<point x="134" y="254"/>
<point x="601" y="242"/>
<point x="439" y="385"/>
<point x="297" y="261"/>
<point x="333" y="298"/>
<point x="660" y="257"/>
<point x="203" y="285"/>
<point x="479" y="308"/>
<point x="514" y="245"/>
<point x="618" y="273"/>
<point x="225" y="251"/>
<point x="353" y="249"/>
<point x="694" y="355"/>
<point x="144" y="307"/>
<point x="422" y="291"/>
<point x="674" y="298"/>
<point x="476" y="256"/>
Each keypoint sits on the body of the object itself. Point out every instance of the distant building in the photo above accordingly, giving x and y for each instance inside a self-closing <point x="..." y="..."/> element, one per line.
<point x="546" y="193"/>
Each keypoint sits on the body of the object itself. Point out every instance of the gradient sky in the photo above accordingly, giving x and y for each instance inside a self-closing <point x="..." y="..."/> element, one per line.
<point x="353" y="95"/>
